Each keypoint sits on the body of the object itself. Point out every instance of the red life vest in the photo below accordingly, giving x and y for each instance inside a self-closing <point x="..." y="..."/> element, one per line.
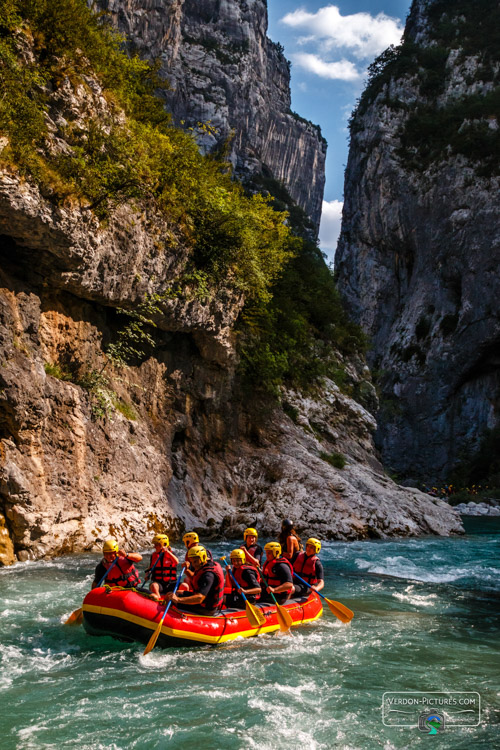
<point x="165" y="570"/>
<point x="122" y="575"/>
<point x="215" y="596"/>
<point x="238" y="576"/>
<point x="252" y="550"/>
<point x="268" y="571"/>
<point x="306" y="567"/>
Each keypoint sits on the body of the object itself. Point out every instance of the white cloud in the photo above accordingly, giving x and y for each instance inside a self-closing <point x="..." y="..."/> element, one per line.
<point x="329" y="230"/>
<point x="344" y="70"/>
<point x="363" y="34"/>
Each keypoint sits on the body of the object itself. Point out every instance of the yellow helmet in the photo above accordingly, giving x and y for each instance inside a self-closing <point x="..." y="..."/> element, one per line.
<point x="274" y="548"/>
<point x="238" y="554"/>
<point x="191" y="536"/>
<point x="198" y="551"/>
<point x="314" y="543"/>
<point x="161" y="539"/>
<point x="110" y="545"/>
<point x="250" y="532"/>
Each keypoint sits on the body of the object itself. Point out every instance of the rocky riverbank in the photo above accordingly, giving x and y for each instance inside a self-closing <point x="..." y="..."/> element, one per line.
<point x="483" y="508"/>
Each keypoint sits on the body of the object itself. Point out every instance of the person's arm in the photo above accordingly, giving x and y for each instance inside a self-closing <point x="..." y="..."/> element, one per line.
<point x="320" y="576"/>
<point x="205" y="584"/>
<point x="285" y="575"/>
<point x="249" y="557"/>
<point x="171" y="555"/>
<point x="251" y="580"/>
<point x="99" y="572"/>
<point x="132" y="556"/>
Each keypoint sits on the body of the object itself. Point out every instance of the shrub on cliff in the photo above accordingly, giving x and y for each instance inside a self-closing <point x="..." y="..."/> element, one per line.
<point x="128" y="150"/>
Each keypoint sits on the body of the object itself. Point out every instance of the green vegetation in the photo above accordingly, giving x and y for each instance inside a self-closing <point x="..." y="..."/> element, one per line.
<point x="56" y="371"/>
<point x="432" y="132"/>
<point x="334" y="459"/>
<point x="236" y="239"/>
<point x="124" y="408"/>
<point x="293" y="319"/>
<point x="290" y="339"/>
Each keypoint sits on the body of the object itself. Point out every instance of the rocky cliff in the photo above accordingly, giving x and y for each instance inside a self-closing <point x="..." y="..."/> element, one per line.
<point x="225" y="72"/>
<point x="89" y="447"/>
<point x="418" y="258"/>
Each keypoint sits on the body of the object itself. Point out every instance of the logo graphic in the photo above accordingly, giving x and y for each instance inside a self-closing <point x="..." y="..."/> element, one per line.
<point x="431" y="723"/>
<point x="431" y="710"/>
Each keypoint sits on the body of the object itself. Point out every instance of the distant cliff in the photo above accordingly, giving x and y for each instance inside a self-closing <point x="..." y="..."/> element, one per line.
<point x="224" y="71"/>
<point x="418" y="261"/>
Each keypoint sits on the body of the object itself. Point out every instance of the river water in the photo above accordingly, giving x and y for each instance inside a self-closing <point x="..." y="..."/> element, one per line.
<point x="425" y="620"/>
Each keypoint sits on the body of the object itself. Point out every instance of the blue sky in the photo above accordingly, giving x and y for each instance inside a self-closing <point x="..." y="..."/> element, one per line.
<point x="330" y="46"/>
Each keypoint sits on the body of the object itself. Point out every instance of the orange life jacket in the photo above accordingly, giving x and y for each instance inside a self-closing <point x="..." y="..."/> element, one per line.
<point x="306" y="567"/>
<point x="119" y="575"/>
<point x="165" y="570"/>
<point x="215" y="596"/>
<point x="269" y="574"/>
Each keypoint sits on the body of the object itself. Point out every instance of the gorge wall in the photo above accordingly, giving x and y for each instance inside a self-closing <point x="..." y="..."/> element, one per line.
<point x="89" y="448"/>
<point x="418" y="258"/>
<point x="224" y="71"/>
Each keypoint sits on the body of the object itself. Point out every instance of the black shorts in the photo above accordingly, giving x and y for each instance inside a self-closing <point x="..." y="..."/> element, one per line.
<point x="235" y="601"/>
<point x="301" y="590"/>
<point x="165" y="586"/>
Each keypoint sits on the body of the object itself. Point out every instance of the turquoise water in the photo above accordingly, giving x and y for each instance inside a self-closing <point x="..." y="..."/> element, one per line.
<point x="425" y="621"/>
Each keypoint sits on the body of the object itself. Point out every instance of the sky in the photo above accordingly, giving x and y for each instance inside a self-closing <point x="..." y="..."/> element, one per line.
<point x="330" y="47"/>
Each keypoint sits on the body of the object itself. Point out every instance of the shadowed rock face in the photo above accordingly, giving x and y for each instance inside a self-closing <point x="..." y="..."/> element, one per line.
<point x="224" y="71"/>
<point x="418" y="258"/>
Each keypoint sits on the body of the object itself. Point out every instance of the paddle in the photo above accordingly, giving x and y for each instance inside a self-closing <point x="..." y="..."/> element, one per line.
<point x="255" y="616"/>
<point x="154" y="637"/>
<point x="336" y="608"/>
<point x="284" y="618"/>
<point x="76" y="617"/>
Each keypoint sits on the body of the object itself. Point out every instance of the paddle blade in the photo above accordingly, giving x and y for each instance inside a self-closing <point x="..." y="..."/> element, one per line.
<point x="340" y="610"/>
<point x="154" y="638"/>
<point x="75" y="618"/>
<point x="255" y="616"/>
<point x="284" y="619"/>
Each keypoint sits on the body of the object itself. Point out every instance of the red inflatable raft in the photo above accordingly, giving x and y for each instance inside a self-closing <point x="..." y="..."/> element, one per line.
<point x="130" y="616"/>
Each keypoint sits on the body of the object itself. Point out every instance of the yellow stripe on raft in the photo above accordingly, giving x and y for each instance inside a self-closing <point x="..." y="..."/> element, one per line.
<point x="186" y="634"/>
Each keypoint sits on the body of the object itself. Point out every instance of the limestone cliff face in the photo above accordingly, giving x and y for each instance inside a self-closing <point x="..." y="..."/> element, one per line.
<point x="224" y="71"/>
<point x="88" y="449"/>
<point x="176" y="450"/>
<point x="418" y="258"/>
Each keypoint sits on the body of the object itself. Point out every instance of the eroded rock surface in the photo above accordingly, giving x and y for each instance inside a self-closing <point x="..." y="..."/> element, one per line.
<point x="419" y="253"/>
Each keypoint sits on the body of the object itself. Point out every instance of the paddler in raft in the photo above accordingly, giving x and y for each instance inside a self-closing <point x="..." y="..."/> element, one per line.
<point x="253" y="551"/>
<point x="309" y="567"/>
<point x="289" y="540"/>
<point x="277" y="572"/>
<point x="162" y="567"/>
<point x="248" y="579"/>
<point x="190" y="539"/>
<point x="123" y="573"/>
<point x="207" y="585"/>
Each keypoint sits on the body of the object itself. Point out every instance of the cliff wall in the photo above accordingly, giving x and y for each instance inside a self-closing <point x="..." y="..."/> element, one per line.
<point x="90" y="447"/>
<point x="224" y="71"/>
<point x="418" y="258"/>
